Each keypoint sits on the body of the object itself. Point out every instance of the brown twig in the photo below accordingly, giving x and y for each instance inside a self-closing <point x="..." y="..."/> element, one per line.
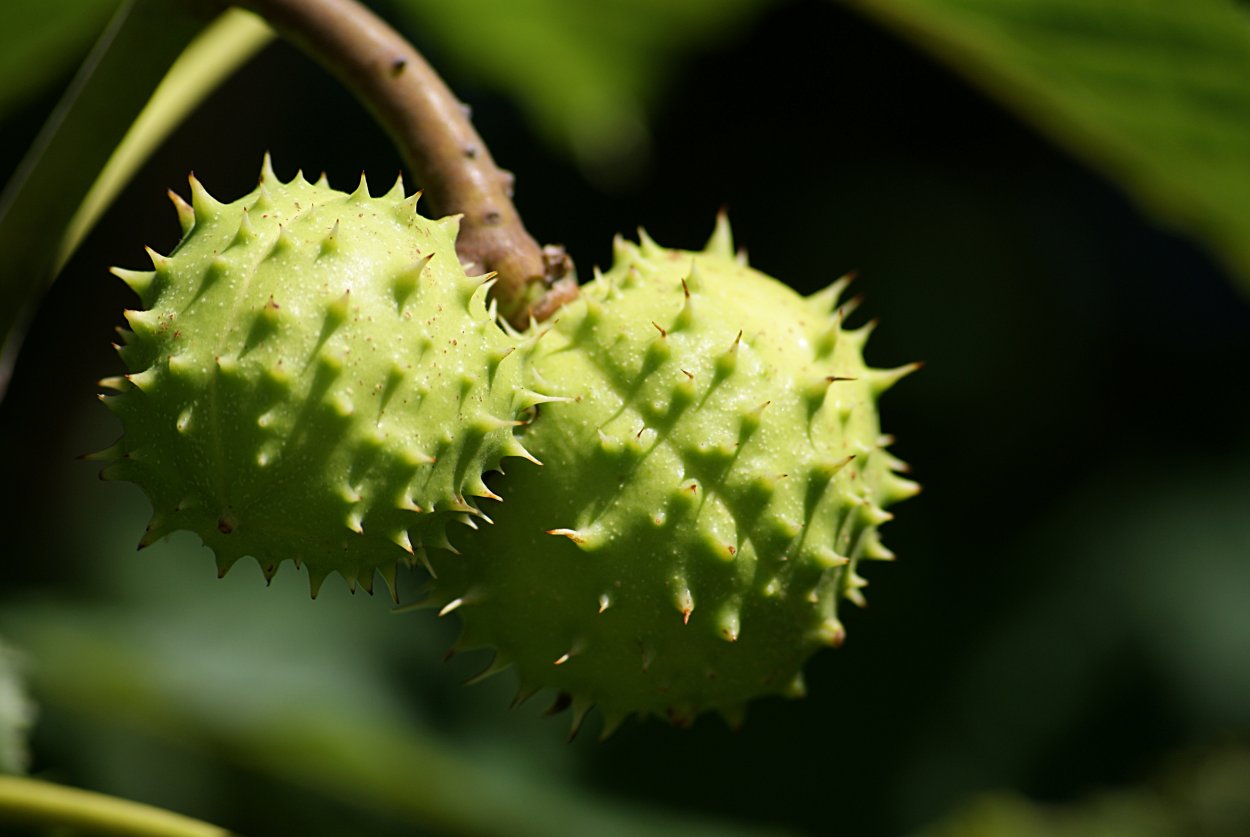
<point x="432" y="130"/>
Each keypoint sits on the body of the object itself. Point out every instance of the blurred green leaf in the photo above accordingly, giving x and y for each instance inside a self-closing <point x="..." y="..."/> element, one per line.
<point x="1199" y="796"/>
<point x="40" y="41"/>
<point x="1152" y="92"/>
<point x="1140" y="574"/>
<point x="220" y="50"/>
<point x="305" y="691"/>
<point x="131" y="56"/>
<point x="17" y="713"/>
<point x="47" y="208"/>
<point x="585" y="72"/>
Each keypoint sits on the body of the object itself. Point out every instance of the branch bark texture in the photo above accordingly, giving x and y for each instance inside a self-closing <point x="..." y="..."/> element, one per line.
<point x="431" y="128"/>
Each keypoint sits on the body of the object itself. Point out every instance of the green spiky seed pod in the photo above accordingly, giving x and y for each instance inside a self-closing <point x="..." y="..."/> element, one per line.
<point x="313" y="376"/>
<point x="710" y="484"/>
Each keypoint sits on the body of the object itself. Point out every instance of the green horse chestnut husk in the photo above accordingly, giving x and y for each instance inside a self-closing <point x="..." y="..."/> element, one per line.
<point x="314" y="377"/>
<point x="713" y="473"/>
<point x="695" y="470"/>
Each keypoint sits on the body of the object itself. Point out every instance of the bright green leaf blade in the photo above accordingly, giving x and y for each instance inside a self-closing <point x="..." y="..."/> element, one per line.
<point x="116" y="81"/>
<point x="16" y="715"/>
<point x="585" y="72"/>
<point x="1156" y="93"/>
<point x="39" y="42"/>
<point x="222" y="48"/>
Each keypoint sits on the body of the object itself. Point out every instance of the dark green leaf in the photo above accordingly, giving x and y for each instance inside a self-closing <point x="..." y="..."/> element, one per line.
<point x="133" y="54"/>
<point x="222" y="48"/>
<point x="303" y="691"/>
<point x="586" y="72"/>
<point x="1203" y="794"/>
<point x="1143" y="569"/>
<point x="1156" y="93"/>
<point x="40" y="41"/>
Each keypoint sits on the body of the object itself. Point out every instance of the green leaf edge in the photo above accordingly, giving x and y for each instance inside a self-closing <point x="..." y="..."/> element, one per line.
<point x="209" y="60"/>
<point x="1167" y="198"/>
<point x="114" y="85"/>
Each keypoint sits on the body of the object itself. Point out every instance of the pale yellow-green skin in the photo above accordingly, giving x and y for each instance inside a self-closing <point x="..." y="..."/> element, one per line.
<point x="709" y="484"/>
<point x="314" y="378"/>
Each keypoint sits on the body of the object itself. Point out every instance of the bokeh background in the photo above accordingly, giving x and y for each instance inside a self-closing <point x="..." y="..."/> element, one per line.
<point x="1063" y="646"/>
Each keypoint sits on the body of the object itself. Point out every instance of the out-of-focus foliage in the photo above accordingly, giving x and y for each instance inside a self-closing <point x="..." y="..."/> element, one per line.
<point x="16" y="714"/>
<point x="589" y="74"/>
<point x="1153" y="92"/>
<point x="216" y="53"/>
<point x="41" y="42"/>
<point x="1204" y="795"/>
<point x="1146" y="569"/>
<point x="42" y="194"/>
<point x="306" y="692"/>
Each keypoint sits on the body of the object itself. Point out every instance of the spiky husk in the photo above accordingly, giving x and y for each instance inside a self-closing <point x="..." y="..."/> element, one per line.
<point x="313" y="377"/>
<point x="710" y="485"/>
